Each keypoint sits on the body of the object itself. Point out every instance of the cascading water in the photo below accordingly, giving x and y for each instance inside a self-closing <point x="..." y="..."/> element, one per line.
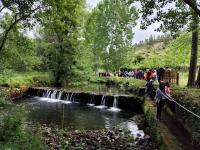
<point x="53" y="95"/>
<point x="67" y="101"/>
<point x="103" y="103"/>
<point x="71" y="97"/>
<point x="48" y="94"/>
<point x="115" y="105"/>
<point x="67" y="97"/>
<point x="91" y="101"/>
<point x="60" y="95"/>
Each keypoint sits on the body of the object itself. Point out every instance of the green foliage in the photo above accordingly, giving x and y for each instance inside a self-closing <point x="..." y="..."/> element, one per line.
<point x="167" y="17"/>
<point x="22" y="12"/>
<point x="11" y="78"/>
<point x="149" y="111"/>
<point x="189" y="98"/>
<point x="20" y="49"/>
<point x="13" y="125"/>
<point x="109" y="33"/>
<point x="16" y="135"/>
<point x="60" y="35"/>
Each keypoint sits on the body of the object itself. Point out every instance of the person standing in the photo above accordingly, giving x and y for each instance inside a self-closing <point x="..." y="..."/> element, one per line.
<point x="150" y="90"/>
<point x="160" y="99"/>
<point x="170" y="103"/>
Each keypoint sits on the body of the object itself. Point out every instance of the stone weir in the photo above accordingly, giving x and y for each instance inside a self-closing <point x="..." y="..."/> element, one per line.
<point x="125" y="102"/>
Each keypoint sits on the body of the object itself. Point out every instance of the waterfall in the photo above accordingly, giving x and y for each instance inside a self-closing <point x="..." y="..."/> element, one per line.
<point x="91" y="103"/>
<point x="48" y="95"/>
<point x="45" y="93"/>
<point x="103" y="103"/>
<point x="60" y="95"/>
<point x="115" y="105"/>
<point x="71" y="97"/>
<point x="67" y="97"/>
<point x="53" y="95"/>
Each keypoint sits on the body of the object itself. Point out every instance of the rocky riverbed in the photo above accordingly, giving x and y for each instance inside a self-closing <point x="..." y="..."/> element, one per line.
<point x="116" y="139"/>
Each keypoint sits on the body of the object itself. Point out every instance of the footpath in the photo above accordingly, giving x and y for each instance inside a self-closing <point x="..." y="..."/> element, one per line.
<point x="169" y="133"/>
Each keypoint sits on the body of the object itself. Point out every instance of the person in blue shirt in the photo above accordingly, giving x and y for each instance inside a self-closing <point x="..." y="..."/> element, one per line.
<point x="160" y="99"/>
<point x="150" y="90"/>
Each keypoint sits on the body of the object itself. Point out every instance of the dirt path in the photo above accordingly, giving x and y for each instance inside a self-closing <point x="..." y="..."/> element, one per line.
<point x="178" y="131"/>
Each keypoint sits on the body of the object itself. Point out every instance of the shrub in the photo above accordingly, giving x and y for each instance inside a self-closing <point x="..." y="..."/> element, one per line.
<point x="16" y="134"/>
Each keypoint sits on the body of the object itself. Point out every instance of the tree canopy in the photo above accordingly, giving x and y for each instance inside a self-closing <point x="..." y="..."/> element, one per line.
<point x="109" y="33"/>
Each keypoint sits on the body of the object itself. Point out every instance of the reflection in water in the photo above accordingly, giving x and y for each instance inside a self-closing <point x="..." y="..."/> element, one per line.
<point x="77" y="116"/>
<point x="73" y="116"/>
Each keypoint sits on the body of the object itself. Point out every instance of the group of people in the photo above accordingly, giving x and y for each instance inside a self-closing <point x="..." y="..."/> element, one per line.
<point x="137" y="74"/>
<point x="161" y="96"/>
<point x="154" y="74"/>
<point x="148" y="74"/>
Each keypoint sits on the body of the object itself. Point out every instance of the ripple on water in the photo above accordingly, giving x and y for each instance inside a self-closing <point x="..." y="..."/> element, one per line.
<point x="114" y="109"/>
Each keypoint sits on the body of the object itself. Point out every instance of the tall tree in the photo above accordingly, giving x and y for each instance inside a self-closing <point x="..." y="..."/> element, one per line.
<point x="112" y="27"/>
<point x="61" y="25"/>
<point x="92" y="39"/>
<point x="194" y="50"/>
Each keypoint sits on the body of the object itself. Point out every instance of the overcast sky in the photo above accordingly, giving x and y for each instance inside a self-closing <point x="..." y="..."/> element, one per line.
<point x="139" y="34"/>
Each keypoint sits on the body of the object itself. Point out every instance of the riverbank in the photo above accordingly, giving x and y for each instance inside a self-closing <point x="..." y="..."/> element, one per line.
<point x="15" y="84"/>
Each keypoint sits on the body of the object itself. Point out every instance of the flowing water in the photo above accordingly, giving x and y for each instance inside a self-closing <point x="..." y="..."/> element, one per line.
<point x="59" y="113"/>
<point x="115" y="105"/>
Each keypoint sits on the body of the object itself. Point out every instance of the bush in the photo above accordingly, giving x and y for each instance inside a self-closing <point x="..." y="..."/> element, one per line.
<point x="13" y="124"/>
<point x="15" y="133"/>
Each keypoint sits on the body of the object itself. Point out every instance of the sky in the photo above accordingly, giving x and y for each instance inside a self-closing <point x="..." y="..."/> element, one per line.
<point x="139" y="34"/>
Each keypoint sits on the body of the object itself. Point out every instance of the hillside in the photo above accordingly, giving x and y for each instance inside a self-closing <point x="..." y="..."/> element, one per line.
<point x="174" y="53"/>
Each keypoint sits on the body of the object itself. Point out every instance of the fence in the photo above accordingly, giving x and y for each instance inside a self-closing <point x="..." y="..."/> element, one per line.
<point x="170" y="76"/>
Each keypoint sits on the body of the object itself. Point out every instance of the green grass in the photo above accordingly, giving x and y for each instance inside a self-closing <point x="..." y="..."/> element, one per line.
<point x="119" y="81"/>
<point x="183" y="78"/>
<point x="16" y="79"/>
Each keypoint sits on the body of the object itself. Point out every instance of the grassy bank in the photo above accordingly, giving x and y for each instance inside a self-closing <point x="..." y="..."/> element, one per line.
<point x="189" y="98"/>
<point x="118" y="81"/>
<point x="14" y="84"/>
<point x="17" y="79"/>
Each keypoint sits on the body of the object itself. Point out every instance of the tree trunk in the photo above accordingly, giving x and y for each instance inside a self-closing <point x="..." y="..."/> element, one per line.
<point x="194" y="51"/>
<point x="198" y="79"/>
